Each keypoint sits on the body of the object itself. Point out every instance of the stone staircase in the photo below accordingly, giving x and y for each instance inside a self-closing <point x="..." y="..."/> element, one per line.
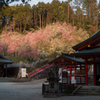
<point x="88" y="90"/>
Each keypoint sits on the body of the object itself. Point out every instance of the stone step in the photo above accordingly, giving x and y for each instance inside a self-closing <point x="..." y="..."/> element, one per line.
<point x="81" y="91"/>
<point x="85" y="93"/>
<point x="88" y="90"/>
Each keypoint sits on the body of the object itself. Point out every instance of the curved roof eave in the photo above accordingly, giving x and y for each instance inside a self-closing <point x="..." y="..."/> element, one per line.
<point x="91" y="38"/>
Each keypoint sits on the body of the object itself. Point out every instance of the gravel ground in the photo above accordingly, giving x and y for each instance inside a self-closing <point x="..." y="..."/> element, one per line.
<point x="32" y="91"/>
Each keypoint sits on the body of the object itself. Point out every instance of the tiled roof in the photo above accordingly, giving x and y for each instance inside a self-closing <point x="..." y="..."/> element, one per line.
<point x="91" y="38"/>
<point x="87" y="52"/>
<point x="68" y="57"/>
<point x="5" y="61"/>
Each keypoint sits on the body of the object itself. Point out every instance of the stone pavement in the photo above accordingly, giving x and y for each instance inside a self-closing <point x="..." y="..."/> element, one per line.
<point x="6" y="79"/>
<point x="32" y="91"/>
<point x="9" y="79"/>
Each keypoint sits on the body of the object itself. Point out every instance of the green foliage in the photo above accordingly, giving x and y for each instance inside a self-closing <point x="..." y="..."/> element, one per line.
<point x="61" y="13"/>
<point x="6" y="11"/>
<point x="55" y="9"/>
<point x="18" y="59"/>
<point x="23" y="17"/>
<point x="0" y="30"/>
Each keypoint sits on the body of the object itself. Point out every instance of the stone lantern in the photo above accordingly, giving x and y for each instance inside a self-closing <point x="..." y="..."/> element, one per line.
<point x="53" y="79"/>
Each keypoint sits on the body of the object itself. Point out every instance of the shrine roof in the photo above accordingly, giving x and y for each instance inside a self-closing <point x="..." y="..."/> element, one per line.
<point x="78" y="60"/>
<point x="95" y="51"/>
<point x="88" y="41"/>
<point x="5" y="61"/>
<point x="2" y="57"/>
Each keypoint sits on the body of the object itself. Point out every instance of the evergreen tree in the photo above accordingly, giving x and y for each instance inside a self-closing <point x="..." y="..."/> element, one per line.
<point x="19" y="16"/>
<point x="27" y="15"/>
<point x="61" y="15"/>
<point x="35" y="16"/>
<point x="6" y="11"/>
<point x="68" y="9"/>
<point x="49" y="15"/>
<point x="55" y="5"/>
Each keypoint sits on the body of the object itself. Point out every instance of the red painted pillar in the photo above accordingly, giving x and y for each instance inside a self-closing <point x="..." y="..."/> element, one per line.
<point x="75" y="73"/>
<point x="86" y="73"/>
<point x="94" y="67"/>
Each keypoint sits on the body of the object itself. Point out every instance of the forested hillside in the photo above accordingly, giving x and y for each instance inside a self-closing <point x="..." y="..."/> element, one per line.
<point x="46" y="30"/>
<point x="80" y="13"/>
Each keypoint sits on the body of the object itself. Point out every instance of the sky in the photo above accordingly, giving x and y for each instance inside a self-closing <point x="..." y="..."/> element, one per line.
<point x="34" y="2"/>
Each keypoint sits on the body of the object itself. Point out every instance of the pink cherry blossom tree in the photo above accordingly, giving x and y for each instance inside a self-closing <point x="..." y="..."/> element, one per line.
<point x="53" y="39"/>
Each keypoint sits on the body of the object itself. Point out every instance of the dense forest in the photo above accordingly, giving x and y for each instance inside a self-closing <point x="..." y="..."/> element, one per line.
<point x="46" y="30"/>
<point x="22" y="18"/>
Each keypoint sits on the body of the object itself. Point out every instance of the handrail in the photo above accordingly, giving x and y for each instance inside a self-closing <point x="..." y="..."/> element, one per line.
<point x="40" y="70"/>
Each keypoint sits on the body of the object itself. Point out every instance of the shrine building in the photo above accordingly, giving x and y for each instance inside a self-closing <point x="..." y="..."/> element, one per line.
<point x="82" y="67"/>
<point x="89" y="50"/>
<point x="70" y="69"/>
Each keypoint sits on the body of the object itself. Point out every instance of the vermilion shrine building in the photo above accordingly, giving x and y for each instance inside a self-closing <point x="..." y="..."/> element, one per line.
<point x="68" y="66"/>
<point x="76" y="67"/>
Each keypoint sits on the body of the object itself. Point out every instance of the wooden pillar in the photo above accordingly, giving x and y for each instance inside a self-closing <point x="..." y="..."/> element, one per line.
<point x="80" y="76"/>
<point x="86" y="72"/>
<point x="6" y="70"/>
<point x="70" y="74"/>
<point x="94" y="67"/>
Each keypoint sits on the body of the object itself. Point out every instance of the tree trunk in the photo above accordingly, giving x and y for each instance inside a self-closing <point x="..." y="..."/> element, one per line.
<point x="20" y="26"/>
<point x="40" y="20"/>
<point x="25" y="25"/>
<point x="14" y="22"/>
<point x="97" y="21"/>
<point x="83" y="17"/>
<point x="68" y="12"/>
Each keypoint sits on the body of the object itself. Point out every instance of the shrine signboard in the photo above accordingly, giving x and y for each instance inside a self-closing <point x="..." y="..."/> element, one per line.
<point x="23" y="70"/>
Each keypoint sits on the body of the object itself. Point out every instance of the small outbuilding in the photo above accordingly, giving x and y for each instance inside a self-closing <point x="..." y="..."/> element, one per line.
<point x="3" y="65"/>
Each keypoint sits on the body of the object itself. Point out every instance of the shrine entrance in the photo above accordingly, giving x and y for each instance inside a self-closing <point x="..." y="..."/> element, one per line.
<point x="73" y="74"/>
<point x="90" y="74"/>
<point x="98" y="74"/>
<point x="76" y="74"/>
<point x="91" y="69"/>
<point x="71" y="70"/>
